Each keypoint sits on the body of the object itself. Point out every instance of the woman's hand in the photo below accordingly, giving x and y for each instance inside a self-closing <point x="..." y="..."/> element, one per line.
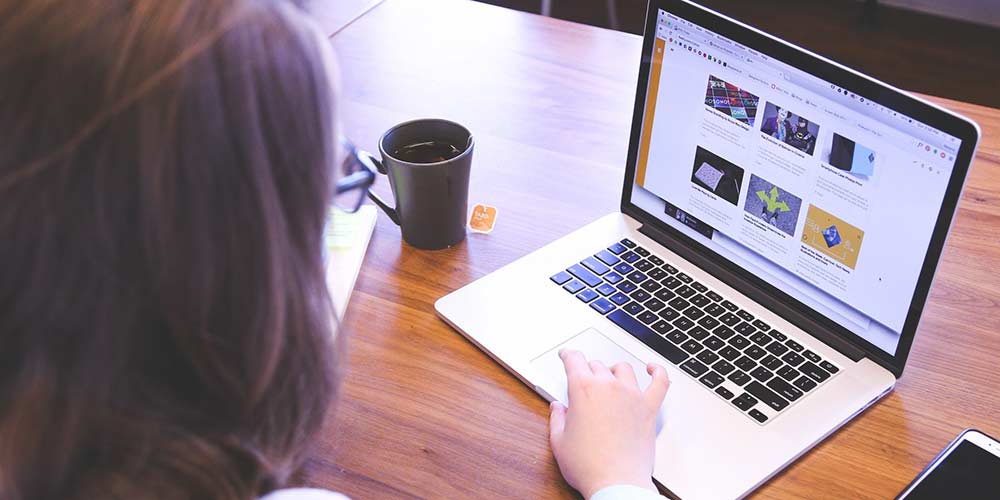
<point x="607" y="434"/>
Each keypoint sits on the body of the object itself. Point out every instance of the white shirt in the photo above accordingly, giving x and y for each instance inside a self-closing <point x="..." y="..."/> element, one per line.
<point x="615" y="492"/>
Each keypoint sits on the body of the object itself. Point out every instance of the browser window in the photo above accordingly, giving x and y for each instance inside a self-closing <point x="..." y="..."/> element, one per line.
<point x="829" y="196"/>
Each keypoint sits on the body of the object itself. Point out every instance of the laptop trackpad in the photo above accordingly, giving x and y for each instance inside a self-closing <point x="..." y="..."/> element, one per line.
<point x="595" y="346"/>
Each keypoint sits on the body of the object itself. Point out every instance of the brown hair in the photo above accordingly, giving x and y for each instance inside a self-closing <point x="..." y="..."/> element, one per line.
<point x="164" y="177"/>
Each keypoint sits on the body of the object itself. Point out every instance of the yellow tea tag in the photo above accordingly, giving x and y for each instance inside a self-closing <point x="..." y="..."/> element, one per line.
<point x="483" y="218"/>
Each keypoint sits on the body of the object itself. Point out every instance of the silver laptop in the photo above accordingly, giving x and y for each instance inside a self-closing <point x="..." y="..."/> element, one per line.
<point x="781" y="220"/>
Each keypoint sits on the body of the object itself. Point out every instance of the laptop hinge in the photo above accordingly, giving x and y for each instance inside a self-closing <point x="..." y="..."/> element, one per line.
<point x="736" y="281"/>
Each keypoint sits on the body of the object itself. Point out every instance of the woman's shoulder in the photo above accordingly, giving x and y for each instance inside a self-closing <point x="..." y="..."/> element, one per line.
<point x="303" y="494"/>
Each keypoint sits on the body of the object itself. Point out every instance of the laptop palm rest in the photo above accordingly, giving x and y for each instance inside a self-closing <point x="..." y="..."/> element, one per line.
<point x="595" y="346"/>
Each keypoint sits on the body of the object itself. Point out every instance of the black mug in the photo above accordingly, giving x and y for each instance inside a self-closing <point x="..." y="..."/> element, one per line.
<point x="428" y="163"/>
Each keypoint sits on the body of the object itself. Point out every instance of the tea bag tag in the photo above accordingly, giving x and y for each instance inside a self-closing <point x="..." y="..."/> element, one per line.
<point x="483" y="218"/>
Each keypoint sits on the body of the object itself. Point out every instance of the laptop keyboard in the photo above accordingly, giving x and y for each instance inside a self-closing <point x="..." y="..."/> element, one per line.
<point x="744" y="361"/>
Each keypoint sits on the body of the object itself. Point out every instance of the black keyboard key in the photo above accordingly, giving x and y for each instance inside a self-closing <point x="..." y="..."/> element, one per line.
<point x="746" y="364"/>
<point x="707" y="357"/>
<point x="692" y="346"/>
<point x="560" y="277"/>
<point x="605" y="289"/>
<point x="648" y="317"/>
<point x="584" y="275"/>
<point x="788" y="373"/>
<point x="724" y="367"/>
<point x="714" y="296"/>
<point x="602" y="306"/>
<point x="641" y="332"/>
<point x="627" y="286"/>
<point x="643" y="265"/>
<point x="755" y="352"/>
<point x="708" y="323"/>
<point x="662" y="327"/>
<point x="596" y="266"/>
<point x="683" y="323"/>
<point x="630" y="257"/>
<point x="793" y="345"/>
<point x="651" y="286"/>
<point x="745" y="328"/>
<point x="725" y="393"/>
<point x="679" y="304"/>
<point x="714" y="343"/>
<point x="729" y="319"/>
<point x="652" y="304"/>
<point x="760" y="338"/>
<point x="776" y="348"/>
<point x="805" y="383"/>
<point x="700" y="300"/>
<point x="574" y="286"/>
<point x="729" y="305"/>
<point x="698" y="333"/>
<point x="724" y="332"/>
<point x="619" y="298"/>
<point x="784" y="389"/>
<point x="757" y="415"/>
<point x="715" y="309"/>
<point x="665" y="295"/>
<point x="778" y="335"/>
<point x="760" y="325"/>
<point x="739" y="378"/>
<point x="771" y="362"/>
<point x="641" y="251"/>
<point x="640" y="296"/>
<point x="828" y="366"/>
<point x="668" y="268"/>
<point x="766" y="396"/>
<point x="671" y="282"/>
<point x="729" y="353"/>
<point x="711" y="380"/>
<point x="811" y="356"/>
<point x="685" y="291"/>
<point x="739" y="342"/>
<point x="608" y="258"/>
<point x="761" y="373"/>
<point x="792" y="358"/>
<point x="814" y="372"/>
<point x="587" y="295"/>
<point x="744" y="401"/>
<point x="694" y="367"/>
<point x="623" y="268"/>
<point x="694" y="313"/>
<point x="698" y="286"/>
<point x="617" y="248"/>
<point x="633" y="308"/>
<point x="636" y="277"/>
<point x="629" y="243"/>
<point x="677" y="336"/>
<point x="685" y="278"/>
<point x="745" y="315"/>
<point x="669" y="314"/>
<point x="656" y="274"/>
<point x="655" y="260"/>
<point x="613" y="277"/>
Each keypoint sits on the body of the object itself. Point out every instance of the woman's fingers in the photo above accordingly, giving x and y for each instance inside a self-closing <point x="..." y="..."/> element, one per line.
<point x="658" y="386"/>
<point x="625" y="374"/>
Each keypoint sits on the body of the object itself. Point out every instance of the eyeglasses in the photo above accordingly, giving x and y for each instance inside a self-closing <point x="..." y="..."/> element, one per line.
<point x="358" y="172"/>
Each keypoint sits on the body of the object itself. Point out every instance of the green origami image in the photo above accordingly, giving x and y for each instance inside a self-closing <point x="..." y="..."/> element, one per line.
<point x="773" y="205"/>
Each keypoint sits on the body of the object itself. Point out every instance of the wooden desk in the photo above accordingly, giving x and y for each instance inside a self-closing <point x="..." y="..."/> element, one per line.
<point x="424" y="414"/>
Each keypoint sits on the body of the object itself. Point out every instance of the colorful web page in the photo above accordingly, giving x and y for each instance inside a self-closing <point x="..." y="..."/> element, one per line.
<point x="823" y="199"/>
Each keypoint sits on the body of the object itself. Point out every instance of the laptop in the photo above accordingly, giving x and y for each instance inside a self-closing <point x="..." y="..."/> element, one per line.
<point x="781" y="220"/>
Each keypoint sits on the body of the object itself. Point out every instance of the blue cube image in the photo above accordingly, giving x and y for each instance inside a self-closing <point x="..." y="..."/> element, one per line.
<point x="832" y="236"/>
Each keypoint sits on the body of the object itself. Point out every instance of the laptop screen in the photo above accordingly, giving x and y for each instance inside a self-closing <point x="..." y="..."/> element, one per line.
<point x="826" y="195"/>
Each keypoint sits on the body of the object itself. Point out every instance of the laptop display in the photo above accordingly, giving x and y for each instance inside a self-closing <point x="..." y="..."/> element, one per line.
<point x="828" y="196"/>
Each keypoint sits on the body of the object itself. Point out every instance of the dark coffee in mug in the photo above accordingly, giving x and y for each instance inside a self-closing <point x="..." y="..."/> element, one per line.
<point x="427" y="152"/>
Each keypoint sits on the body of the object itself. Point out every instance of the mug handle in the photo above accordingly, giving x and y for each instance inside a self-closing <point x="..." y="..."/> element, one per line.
<point x="390" y="211"/>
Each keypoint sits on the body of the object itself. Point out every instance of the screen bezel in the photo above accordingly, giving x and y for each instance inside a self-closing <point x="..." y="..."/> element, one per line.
<point x="861" y="85"/>
<point x="973" y="436"/>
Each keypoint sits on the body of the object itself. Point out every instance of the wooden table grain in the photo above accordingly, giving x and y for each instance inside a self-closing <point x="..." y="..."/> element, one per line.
<point x="424" y="414"/>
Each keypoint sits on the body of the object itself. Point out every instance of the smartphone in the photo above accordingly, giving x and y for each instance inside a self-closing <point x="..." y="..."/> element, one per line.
<point x="969" y="468"/>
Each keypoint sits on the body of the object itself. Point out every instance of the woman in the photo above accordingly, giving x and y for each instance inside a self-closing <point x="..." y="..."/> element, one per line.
<point x="165" y="176"/>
